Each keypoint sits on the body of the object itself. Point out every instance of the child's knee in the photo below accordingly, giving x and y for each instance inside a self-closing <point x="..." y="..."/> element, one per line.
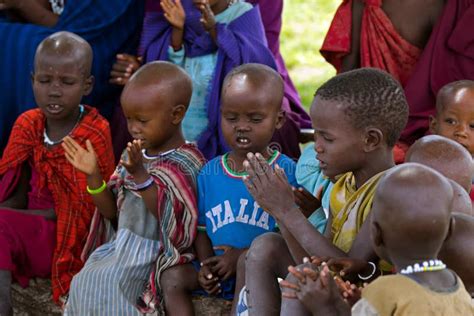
<point x="266" y="247"/>
<point x="176" y="278"/>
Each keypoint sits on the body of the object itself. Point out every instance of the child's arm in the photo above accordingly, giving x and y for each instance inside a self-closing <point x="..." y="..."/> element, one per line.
<point x="273" y="193"/>
<point x="206" y="278"/>
<point x="174" y="13"/>
<point x="208" y="19"/>
<point x="135" y="167"/>
<point x="19" y="197"/>
<point x="85" y="160"/>
<point x="352" y="60"/>
<point x="33" y="11"/>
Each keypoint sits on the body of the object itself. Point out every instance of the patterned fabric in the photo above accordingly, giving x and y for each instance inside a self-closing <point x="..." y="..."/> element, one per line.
<point x="380" y="44"/>
<point x="350" y="207"/>
<point x="448" y="56"/>
<point x="397" y="295"/>
<point x="72" y="204"/>
<point x="175" y="175"/>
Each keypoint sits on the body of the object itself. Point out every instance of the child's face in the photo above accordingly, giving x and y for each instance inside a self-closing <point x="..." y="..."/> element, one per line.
<point x="456" y="120"/>
<point x="59" y="85"/>
<point x="339" y="146"/>
<point x="248" y="119"/>
<point x="149" y="118"/>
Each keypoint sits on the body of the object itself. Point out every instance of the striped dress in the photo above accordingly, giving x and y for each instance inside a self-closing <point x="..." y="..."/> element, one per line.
<point x="121" y="277"/>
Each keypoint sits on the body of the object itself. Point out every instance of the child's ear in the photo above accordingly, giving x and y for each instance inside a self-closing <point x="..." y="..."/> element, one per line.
<point x="89" y="85"/>
<point x="433" y="124"/>
<point x="281" y="119"/>
<point x="178" y="114"/>
<point x="373" y="139"/>
<point x="32" y="77"/>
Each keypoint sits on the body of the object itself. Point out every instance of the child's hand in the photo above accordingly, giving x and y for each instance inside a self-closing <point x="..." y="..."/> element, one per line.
<point x="134" y="165"/>
<point x="208" y="281"/>
<point x="269" y="188"/>
<point x="174" y="13"/>
<point x="225" y="265"/>
<point x="307" y="202"/>
<point x="317" y="291"/>
<point x="351" y="292"/>
<point x="84" y="160"/>
<point x="208" y="19"/>
<point x="348" y="267"/>
<point x="124" y="67"/>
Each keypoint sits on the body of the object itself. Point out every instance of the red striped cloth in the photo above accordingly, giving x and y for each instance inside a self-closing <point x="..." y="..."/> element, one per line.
<point x="72" y="204"/>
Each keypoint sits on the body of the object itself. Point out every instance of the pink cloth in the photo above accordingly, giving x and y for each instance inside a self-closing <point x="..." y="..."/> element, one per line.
<point x="27" y="241"/>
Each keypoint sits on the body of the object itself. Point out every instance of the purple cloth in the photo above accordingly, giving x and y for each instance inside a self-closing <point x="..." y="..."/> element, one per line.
<point x="242" y="41"/>
<point x="271" y="12"/>
<point x="448" y="57"/>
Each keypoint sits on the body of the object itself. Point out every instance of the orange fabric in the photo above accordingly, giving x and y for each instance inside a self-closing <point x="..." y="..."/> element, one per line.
<point x="72" y="204"/>
<point x="380" y="44"/>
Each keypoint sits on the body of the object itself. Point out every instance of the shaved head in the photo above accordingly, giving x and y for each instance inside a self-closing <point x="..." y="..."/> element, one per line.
<point x="445" y="156"/>
<point x="168" y="80"/>
<point x="66" y="45"/>
<point x="453" y="91"/>
<point x="257" y="78"/>
<point x="461" y="199"/>
<point x="411" y="212"/>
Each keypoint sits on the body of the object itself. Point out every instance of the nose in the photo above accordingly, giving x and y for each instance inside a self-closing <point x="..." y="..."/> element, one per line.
<point x="241" y="127"/>
<point x="55" y="90"/>
<point x="133" y="128"/>
<point x="317" y="147"/>
<point x="461" y="131"/>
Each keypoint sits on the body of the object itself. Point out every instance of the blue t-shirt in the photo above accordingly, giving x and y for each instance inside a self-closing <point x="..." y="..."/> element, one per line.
<point x="227" y="210"/>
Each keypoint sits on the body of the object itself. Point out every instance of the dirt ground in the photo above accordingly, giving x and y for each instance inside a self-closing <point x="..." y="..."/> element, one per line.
<point x="36" y="301"/>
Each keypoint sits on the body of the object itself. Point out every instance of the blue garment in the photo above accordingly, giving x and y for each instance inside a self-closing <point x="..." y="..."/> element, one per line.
<point x="310" y="177"/>
<point x="201" y="69"/>
<point x="227" y="210"/>
<point x="110" y="27"/>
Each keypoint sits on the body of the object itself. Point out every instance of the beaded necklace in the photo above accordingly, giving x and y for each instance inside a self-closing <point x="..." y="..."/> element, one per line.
<point x="425" y="266"/>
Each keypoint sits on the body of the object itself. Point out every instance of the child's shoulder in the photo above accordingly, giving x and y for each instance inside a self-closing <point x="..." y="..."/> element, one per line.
<point x="214" y="164"/>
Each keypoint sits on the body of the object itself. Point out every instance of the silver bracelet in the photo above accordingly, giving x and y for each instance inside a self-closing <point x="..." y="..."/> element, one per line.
<point x="145" y="185"/>
<point x="365" y="278"/>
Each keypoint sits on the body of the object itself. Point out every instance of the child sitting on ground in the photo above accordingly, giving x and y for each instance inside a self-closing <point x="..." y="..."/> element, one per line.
<point x="151" y="195"/>
<point x="408" y="228"/>
<point x="44" y="212"/>
<point x="229" y="218"/>
<point x="358" y="117"/>
<point x="454" y="117"/>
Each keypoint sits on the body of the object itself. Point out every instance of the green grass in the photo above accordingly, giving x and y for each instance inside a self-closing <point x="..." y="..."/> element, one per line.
<point x="305" y="23"/>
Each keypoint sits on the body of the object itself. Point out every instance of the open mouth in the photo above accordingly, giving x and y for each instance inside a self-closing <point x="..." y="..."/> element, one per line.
<point x="242" y="141"/>
<point x="54" y="108"/>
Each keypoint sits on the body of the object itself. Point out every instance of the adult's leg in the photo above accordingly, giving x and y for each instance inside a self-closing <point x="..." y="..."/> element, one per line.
<point x="177" y="283"/>
<point x="267" y="259"/>
<point x="5" y="293"/>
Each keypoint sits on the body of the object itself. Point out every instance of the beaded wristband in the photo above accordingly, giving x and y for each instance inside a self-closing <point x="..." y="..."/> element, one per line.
<point x="145" y="185"/>
<point x="365" y="278"/>
<point x="98" y="190"/>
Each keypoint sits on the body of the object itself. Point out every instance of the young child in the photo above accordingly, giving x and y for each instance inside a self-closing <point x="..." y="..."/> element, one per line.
<point x="358" y="116"/>
<point x="409" y="224"/>
<point x="454" y="117"/>
<point x="44" y="211"/>
<point x="229" y="218"/>
<point x="151" y="195"/>
<point x="208" y="38"/>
